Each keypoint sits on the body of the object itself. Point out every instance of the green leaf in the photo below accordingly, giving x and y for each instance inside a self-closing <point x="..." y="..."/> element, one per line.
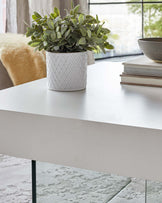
<point x="89" y="33"/>
<point x="74" y="21"/>
<point x="34" y="17"/>
<point x="53" y="36"/>
<point x="67" y="33"/>
<point x="105" y="37"/>
<point x="56" y="12"/>
<point x="76" y="9"/>
<point x="90" y="19"/>
<point x="71" y="12"/>
<point x="108" y="46"/>
<point x="97" y="19"/>
<point x="59" y="35"/>
<point x="99" y="30"/>
<point x="57" y="19"/>
<point x="81" y="18"/>
<point x="63" y="29"/>
<point x="105" y="30"/>
<point x="50" y="23"/>
<point x="48" y="32"/>
<point x="34" y="44"/>
<point x="52" y="15"/>
<point x="82" y="41"/>
<point x="57" y="29"/>
<point x="29" y="32"/>
<point x="83" y="31"/>
<point x="37" y="15"/>
<point x="102" y="48"/>
<point x="36" y="34"/>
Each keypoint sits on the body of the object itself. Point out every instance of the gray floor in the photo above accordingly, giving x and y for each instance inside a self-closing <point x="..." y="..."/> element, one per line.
<point x="59" y="184"/>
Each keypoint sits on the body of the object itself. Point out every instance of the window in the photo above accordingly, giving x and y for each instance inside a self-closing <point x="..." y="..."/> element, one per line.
<point x="128" y="21"/>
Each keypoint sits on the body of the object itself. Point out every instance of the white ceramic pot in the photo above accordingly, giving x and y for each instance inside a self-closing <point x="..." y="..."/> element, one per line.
<point x="66" y="71"/>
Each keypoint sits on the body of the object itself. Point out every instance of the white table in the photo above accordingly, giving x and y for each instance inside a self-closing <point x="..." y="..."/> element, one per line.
<point x="109" y="127"/>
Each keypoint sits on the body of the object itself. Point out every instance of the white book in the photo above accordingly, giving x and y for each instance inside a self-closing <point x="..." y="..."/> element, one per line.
<point x="143" y="66"/>
<point x="141" y="80"/>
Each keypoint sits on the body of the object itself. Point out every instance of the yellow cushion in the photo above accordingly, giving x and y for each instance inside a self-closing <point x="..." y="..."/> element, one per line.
<point x="22" y="63"/>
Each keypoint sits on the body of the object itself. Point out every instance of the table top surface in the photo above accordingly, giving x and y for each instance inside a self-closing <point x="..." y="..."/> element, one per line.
<point x="105" y="100"/>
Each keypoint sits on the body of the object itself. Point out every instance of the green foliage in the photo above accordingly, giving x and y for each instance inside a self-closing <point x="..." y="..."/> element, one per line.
<point x="152" y="18"/>
<point x="76" y="32"/>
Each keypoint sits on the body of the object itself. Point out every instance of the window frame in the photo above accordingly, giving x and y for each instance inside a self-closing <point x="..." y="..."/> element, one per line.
<point x="141" y="2"/>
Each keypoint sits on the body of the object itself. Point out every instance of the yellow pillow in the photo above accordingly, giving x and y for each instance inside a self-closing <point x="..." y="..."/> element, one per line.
<point x="22" y="63"/>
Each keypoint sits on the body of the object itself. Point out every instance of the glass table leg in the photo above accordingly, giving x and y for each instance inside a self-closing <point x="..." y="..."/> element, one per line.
<point x="34" y="198"/>
<point x="145" y="191"/>
<point x="57" y="183"/>
<point x="60" y="183"/>
<point x="153" y="191"/>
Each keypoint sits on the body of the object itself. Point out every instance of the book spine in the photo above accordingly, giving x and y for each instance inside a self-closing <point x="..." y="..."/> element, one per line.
<point x="140" y="84"/>
<point x="141" y="80"/>
<point x="143" y="71"/>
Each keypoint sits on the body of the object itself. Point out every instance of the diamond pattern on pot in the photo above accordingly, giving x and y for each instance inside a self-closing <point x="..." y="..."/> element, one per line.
<point x="66" y="71"/>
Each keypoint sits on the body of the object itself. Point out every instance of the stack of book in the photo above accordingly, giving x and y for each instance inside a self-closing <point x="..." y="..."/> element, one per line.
<point x="142" y="71"/>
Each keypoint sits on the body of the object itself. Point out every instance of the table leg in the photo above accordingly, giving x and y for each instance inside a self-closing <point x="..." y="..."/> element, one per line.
<point x="145" y="191"/>
<point x="34" y="198"/>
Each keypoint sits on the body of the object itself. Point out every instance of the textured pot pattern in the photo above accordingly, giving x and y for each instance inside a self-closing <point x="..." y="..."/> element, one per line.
<point x="66" y="71"/>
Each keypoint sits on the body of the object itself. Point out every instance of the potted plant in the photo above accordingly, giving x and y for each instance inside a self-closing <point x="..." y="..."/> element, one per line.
<point x="66" y="42"/>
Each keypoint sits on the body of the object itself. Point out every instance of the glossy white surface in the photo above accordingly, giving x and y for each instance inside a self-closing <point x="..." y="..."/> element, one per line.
<point x="104" y="100"/>
<point x="109" y="127"/>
